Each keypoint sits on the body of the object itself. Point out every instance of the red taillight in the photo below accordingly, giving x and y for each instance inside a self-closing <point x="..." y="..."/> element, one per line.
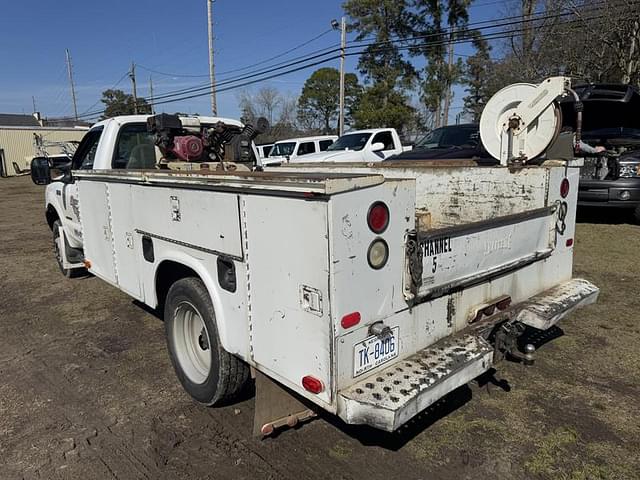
<point x="488" y="311"/>
<point x="564" y="188"/>
<point x="504" y="303"/>
<point x="569" y="242"/>
<point x="312" y="384"/>
<point x="378" y="217"/>
<point x="350" y="320"/>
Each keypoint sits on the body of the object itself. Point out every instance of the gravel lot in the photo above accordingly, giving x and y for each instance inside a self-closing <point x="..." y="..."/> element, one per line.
<point x="87" y="389"/>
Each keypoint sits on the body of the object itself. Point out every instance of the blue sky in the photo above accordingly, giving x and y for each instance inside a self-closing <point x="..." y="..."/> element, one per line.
<point x="163" y="35"/>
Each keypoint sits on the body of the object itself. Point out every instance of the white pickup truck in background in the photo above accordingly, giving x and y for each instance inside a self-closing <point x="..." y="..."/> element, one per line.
<point x="369" y="293"/>
<point x="292" y="149"/>
<point x="371" y="145"/>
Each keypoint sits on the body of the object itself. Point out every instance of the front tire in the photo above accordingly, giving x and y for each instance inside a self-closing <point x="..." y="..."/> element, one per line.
<point x="210" y="374"/>
<point x="636" y="214"/>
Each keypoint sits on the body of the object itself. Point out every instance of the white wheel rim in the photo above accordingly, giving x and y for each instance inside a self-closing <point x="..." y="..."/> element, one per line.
<point x="190" y="338"/>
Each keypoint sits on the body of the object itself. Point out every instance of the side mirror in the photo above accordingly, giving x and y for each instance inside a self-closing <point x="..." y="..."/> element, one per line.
<point x="377" y="147"/>
<point x="40" y="171"/>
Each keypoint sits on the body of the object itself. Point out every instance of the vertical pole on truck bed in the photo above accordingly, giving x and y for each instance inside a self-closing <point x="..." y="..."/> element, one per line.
<point x="212" y="75"/>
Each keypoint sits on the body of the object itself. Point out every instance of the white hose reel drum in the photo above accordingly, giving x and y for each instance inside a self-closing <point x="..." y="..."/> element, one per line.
<point x="528" y="114"/>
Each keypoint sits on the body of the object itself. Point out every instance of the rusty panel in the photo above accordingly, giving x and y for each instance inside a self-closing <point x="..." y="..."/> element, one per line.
<point x="460" y="194"/>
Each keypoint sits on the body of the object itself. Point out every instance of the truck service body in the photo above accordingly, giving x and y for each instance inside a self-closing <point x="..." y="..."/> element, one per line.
<point x="370" y="291"/>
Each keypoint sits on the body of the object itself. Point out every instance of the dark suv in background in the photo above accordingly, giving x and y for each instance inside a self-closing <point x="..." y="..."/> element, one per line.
<point x="611" y="119"/>
<point x="453" y="142"/>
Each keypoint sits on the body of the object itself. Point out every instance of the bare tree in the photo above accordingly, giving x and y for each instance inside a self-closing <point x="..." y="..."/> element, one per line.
<point x="248" y="107"/>
<point x="268" y="99"/>
<point x="288" y="110"/>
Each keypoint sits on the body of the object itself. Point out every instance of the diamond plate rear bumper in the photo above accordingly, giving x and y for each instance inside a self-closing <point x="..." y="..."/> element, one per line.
<point x="544" y="310"/>
<point x="390" y="397"/>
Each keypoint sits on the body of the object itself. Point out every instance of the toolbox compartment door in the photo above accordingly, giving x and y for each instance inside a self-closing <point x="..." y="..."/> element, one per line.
<point x="97" y="229"/>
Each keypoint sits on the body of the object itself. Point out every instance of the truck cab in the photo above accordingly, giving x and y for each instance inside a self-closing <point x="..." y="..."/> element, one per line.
<point x="118" y="143"/>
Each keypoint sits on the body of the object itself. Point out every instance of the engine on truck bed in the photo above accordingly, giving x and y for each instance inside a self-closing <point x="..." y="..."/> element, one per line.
<point x="186" y="139"/>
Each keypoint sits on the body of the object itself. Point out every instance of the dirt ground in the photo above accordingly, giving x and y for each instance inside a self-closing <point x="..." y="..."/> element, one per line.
<point x="87" y="389"/>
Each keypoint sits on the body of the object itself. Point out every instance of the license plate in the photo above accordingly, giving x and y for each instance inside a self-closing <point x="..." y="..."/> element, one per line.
<point x="374" y="351"/>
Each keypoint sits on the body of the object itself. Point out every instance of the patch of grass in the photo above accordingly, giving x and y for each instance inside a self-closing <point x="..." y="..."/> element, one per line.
<point x="550" y="450"/>
<point x="341" y="450"/>
<point x="456" y="432"/>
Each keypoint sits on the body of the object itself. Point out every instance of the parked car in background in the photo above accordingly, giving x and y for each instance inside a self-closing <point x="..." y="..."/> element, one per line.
<point x="289" y="150"/>
<point x="611" y="119"/>
<point x="371" y="145"/>
<point x="453" y="142"/>
<point x="264" y="149"/>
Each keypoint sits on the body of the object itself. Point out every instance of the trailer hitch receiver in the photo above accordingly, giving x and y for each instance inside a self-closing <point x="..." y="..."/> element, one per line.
<point x="506" y="344"/>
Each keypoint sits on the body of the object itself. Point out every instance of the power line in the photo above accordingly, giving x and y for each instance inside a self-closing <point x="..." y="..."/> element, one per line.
<point x="494" y="36"/>
<point x="114" y="86"/>
<point x="360" y="45"/>
<point x="233" y="83"/>
<point x="329" y="50"/>
<point x="262" y="62"/>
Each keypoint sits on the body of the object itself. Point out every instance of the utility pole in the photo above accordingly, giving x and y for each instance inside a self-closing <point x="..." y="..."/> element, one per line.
<point x="153" y="110"/>
<point x="33" y="99"/>
<point x="447" y="97"/>
<point x="73" y="88"/>
<point x="212" y="75"/>
<point x="343" y="45"/>
<point x="132" y="75"/>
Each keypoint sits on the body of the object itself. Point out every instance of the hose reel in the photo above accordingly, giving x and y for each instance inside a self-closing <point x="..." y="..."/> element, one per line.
<point x="521" y="121"/>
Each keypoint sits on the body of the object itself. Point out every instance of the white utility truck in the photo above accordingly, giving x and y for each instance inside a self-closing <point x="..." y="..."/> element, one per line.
<point x="371" y="145"/>
<point x="368" y="292"/>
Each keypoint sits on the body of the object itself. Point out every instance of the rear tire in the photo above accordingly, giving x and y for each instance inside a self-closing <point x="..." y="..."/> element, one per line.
<point x="208" y="373"/>
<point x="57" y="232"/>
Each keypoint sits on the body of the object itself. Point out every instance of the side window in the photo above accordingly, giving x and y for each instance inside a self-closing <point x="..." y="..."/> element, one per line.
<point x="386" y="138"/>
<point x="324" y="144"/>
<point x="86" y="153"/>
<point x="267" y="150"/>
<point x="306" y="147"/>
<point x="135" y="149"/>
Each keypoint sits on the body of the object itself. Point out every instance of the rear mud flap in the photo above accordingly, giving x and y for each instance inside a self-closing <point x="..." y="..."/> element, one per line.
<point x="276" y="407"/>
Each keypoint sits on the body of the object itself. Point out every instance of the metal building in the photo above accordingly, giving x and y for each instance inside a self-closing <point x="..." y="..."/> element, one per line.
<point x="19" y="135"/>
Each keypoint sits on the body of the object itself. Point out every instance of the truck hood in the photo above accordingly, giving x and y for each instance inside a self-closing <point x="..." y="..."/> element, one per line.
<point x="608" y="107"/>
<point x="438" y="153"/>
<point x="275" y="159"/>
<point x="337" y="156"/>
